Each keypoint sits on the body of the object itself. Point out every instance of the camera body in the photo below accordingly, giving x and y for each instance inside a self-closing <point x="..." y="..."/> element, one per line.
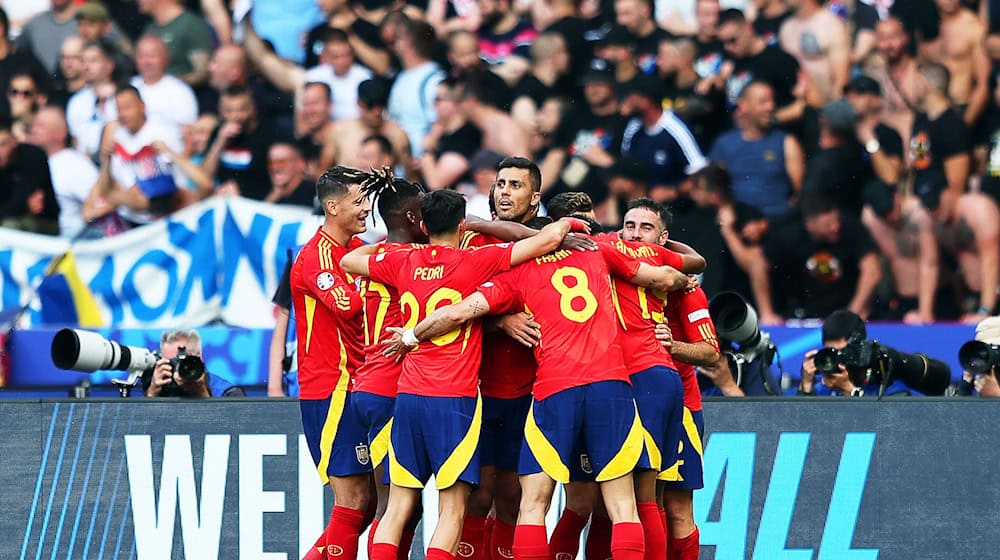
<point x="860" y="356"/>
<point x="188" y="367"/>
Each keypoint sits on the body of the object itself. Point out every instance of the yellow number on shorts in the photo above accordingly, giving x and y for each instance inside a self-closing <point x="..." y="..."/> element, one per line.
<point x="383" y="308"/>
<point x="411" y="309"/>
<point x="568" y="294"/>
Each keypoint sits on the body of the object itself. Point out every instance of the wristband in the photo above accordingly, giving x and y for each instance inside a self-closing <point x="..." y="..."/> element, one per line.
<point x="983" y="310"/>
<point x="409" y="338"/>
<point x="576" y="224"/>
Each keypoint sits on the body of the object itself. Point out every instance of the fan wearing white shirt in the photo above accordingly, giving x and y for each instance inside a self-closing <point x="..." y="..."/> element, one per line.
<point x="93" y="106"/>
<point x="73" y="174"/>
<point x="167" y="99"/>
<point x="337" y="69"/>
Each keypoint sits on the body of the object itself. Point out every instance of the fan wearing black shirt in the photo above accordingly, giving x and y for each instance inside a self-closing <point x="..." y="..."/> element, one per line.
<point x="451" y="142"/>
<point x="820" y="261"/>
<point x="27" y="199"/>
<point x="704" y="113"/>
<point x="618" y="48"/>
<point x="711" y="55"/>
<point x="289" y="185"/>
<point x="755" y="60"/>
<point x="770" y="15"/>
<point x="238" y="153"/>
<point x="588" y="140"/>
<point x="550" y="61"/>
<point x="567" y="22"/>
<point x="361" y="34"/>
<point x="637" y="17"/>
<point x="466" y="63"/>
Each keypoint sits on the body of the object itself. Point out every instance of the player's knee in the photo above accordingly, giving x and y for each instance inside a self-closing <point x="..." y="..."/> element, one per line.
<point x="679" y="506"/>
<point x="480" y="502"/>
<point x="351" y="491"/>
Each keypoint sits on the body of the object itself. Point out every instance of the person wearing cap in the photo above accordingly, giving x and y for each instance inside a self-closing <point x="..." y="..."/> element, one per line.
<point x="838" y="171"/>
<point x="660" y="139"/>
<point x="588" y="139"/>
<point x="451" y="146"/>
<point x="618" y="48"/>
<point x="44" y="34"/>
<point x="986" y="385"/>
<point x="343" y="145"/>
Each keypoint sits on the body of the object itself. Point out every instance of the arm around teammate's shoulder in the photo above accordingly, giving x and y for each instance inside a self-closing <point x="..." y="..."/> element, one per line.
<point x="547" y="240"/>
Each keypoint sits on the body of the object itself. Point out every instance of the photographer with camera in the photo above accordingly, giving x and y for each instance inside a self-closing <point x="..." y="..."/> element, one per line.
<point x="180" y="371"/>
<point x="850" y="364"/>
<point x="980" y="359"/>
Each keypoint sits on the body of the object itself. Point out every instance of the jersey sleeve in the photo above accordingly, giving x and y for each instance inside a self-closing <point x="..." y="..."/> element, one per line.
<point x="668" y="257"/>
<point x="501" y="295"/>
<point x="384" y="267"/>
<point x="328" y="285"/>
<point x="491" y="259"/>
<point x="694" y="318"/>
<point x="620" y="264"/>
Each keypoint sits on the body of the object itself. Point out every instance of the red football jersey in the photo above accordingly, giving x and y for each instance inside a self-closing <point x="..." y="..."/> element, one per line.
<point x="640" y="309"/>
<point x="327" y="317"/>
<point x="687" y="316"/>
<point x="508" y="369"/>
<point x="434" y="276"/>
<point x="379" y="374"/>
<point x="569" y="294"/>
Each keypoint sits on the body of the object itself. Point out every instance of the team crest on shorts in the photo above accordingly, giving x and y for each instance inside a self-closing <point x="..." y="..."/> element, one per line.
<point x="324" y="281"/>
<point x="465" y="550"/>
<point x="585" y="465"/>
<point x="362" y="452"/>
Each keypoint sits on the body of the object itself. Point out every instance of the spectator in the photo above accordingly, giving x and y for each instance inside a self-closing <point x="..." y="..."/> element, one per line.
<point x="766" y="163"/>
<point x="505" y="39"/>
<point x="24" y="98"/>
<point x="550" y="62"/>
<point x="860" y="19"/>
<point x="70" y="78"/>
<point x="238" y="154"/>
<point x="362" y="35"/>
<point x="466" y="64"/>
<point x="198" y="140"/>
<point x="618" y="48"/>
<point x="446" y="16"/>
<point x="960" y="47"/>
<point x="500" y="132"/>
<point x="45" y="33"/>
<point x="896" y="72"/>
<point x="820" y="42"/>
<point x="711" y="55"/>
<point x="141" y="165"/>
<point x="230" y="68"/>
<point x="411" y="101"/>
<point x="93" y="106"/>
<point x="565" y="20"/>
<point x="637" y="17"/>
<point x="628" y="180"/>
<point x="703" y="111"/>
<point x="771" y="14"/>
<point x="343" y="146"/>
<point x="883" y="147"/>
<point x="167" y="98"/>
<point x="285" y="25"/>
<point x="660" y="139"/>
<point x="483" y="168"/>
<point x="73" y="175"/>
<point x="754" y="60"/>
<point x="12" y="59"/>
<point x="376" y="153"/>
<point x="313" y="125"/>
<point x="838" y="172"/>
<point x="164" y="381"/>
<point x="27" y="200"/>
<point x="451" y="143"/>
<point x="186" y="36"/>
<point x="904" y="233"/>
<point x="287" y="169"/>
<point x="547" y="122"/>
<point x="93" y="23"/>
<point x="819" y="261"/>
<point x="587" y="138"/>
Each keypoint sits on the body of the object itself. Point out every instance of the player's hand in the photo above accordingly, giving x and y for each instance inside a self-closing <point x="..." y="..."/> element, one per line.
<point x="574" y="242"/>
<point x="663" y="334"/>
<point x="522" y="328"/>
<point x="576" y="224"/>
<point x="394" y="345"/>
<point x="163" y="375"/>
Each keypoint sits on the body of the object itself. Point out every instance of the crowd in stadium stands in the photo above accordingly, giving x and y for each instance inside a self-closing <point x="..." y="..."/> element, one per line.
<point x="820" y="155"/>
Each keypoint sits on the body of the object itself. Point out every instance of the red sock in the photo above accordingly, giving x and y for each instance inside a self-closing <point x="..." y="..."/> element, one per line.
<point x="406" y="542"/>
<point x="627" y="541"/>
<point x="342" y="533"/>
<point x="684" y="549"/>
<point x="371" y="535"/>
<point x="439" y="554"/>
<point x="565" y="541"/>
<point x="599" y="538"/>
<point x="530" y="543"/>
<point x="652" y="531"/>
<point x="318" y="550"/>
<point x="470" y="544"/>
<point x="501" y="541"/>
<point x="383" y="551"/>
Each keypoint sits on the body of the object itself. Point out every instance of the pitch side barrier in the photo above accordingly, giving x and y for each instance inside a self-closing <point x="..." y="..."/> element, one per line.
<point x="791" y="479"/>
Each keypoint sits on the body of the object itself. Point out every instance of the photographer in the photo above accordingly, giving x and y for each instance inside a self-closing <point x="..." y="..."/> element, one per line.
<point x="180" y="371"/>
<point x="850" y="364"/>
<point x="979" y="361"/>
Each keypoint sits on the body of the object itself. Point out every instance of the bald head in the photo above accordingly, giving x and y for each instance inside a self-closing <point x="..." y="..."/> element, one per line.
<point x="48" y="129"/>
<point x="151" y="58"/>
<point x="228" y="67"/>
<point x="546" y="45"/>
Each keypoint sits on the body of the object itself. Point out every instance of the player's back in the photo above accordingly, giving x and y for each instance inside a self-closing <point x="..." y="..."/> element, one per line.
<point x="429" y="277"/>
<point x="569" y="294"/>
<point x="379" y="374"/>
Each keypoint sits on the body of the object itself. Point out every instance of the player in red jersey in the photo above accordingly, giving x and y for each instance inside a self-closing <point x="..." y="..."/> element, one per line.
<point x="581" y="392"/>
<point x="693" y="342"/>
<point x="436" y="423"/>
<point x="329" y="352"/>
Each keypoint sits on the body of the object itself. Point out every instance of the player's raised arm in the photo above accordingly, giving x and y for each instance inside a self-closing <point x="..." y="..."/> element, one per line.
<point x="501" y="229"/>
<point x="547" y="240"/>
<point x="692" y="262"/>
<point x="665" y="278"/>
<point x="356" y="262"/>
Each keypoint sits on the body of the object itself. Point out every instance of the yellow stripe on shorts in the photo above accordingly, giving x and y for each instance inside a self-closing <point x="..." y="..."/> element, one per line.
<point x="543" y="451"/>
<point x="459" y="459"/>
<point x="628" y="455"/>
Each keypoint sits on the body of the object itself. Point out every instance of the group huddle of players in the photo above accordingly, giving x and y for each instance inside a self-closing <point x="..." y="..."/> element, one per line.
<point x="500" y="357"/>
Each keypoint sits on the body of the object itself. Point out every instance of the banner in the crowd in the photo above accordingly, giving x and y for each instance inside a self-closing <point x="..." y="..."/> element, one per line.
<point x="219" y="260"/>
<point x="784" y="479"/>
